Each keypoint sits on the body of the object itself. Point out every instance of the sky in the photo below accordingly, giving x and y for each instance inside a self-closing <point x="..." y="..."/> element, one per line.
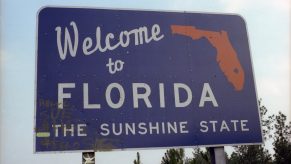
<point x="268" y="24"/>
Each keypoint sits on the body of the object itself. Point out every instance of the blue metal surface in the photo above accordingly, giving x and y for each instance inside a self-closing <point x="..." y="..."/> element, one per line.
<point x="169" y="60"/>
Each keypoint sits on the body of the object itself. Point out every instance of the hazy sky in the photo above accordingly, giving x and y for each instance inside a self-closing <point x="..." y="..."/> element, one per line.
<point x="268" y="24"/>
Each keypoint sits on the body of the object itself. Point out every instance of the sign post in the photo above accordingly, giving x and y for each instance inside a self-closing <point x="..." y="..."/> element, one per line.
<point x="217" y="155"/>
<point x="126" y="79"/>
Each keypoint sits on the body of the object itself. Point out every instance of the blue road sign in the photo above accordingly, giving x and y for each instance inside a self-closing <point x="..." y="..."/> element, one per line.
<point x="121" y="79"/>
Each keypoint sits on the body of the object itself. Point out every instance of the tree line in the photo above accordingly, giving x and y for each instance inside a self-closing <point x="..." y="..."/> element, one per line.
<point x="275" y="129"/>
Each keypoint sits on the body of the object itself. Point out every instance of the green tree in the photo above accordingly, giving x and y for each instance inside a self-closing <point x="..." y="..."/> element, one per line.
<point x="282" y="143"/>
<point x="250" y="154"/>
<point x="174" y="156"/>
<point x="137" y="160"/>
<point x="199" y="157"/>
<point x="266" y="121"/>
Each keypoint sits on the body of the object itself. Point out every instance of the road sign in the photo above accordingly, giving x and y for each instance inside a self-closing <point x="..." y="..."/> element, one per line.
<point x="121" y="79"/>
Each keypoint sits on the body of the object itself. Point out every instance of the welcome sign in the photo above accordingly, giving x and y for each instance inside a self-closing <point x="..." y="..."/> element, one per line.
<point x="120" y="79"/>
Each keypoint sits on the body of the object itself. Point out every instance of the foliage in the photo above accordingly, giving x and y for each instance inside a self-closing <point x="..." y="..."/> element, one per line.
<point x="255" y="153"/>
<point x="274" y="127"/>
<point x="199" y="157"/>
<point x="266" y="121"/>
<point x="282" y="143"/>
<point x="174" y="156"/>
<point x="250" y="154"/>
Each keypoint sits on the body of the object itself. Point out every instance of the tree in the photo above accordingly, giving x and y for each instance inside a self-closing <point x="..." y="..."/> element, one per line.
<point x="199" y="157"/>
<point x="255" y="153"/>
<point x="250" y="154"/>
<point x="137" y="161"/>
<point x="282" y="143"/>
<point x="174" y="156"/>
<point x="266" y="121"/>
<point x="273" y="126"/>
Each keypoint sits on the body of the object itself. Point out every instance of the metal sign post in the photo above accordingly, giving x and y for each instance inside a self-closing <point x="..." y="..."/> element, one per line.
<point x="217" y="155"/>
<point x="88" y="158"/>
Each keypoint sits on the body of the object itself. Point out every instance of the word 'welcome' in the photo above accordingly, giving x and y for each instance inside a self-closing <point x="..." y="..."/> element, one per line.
<point x="140" y="35"/>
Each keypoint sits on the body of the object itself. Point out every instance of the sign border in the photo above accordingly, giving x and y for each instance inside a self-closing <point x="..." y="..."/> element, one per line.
<point x="144" y="148"/>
